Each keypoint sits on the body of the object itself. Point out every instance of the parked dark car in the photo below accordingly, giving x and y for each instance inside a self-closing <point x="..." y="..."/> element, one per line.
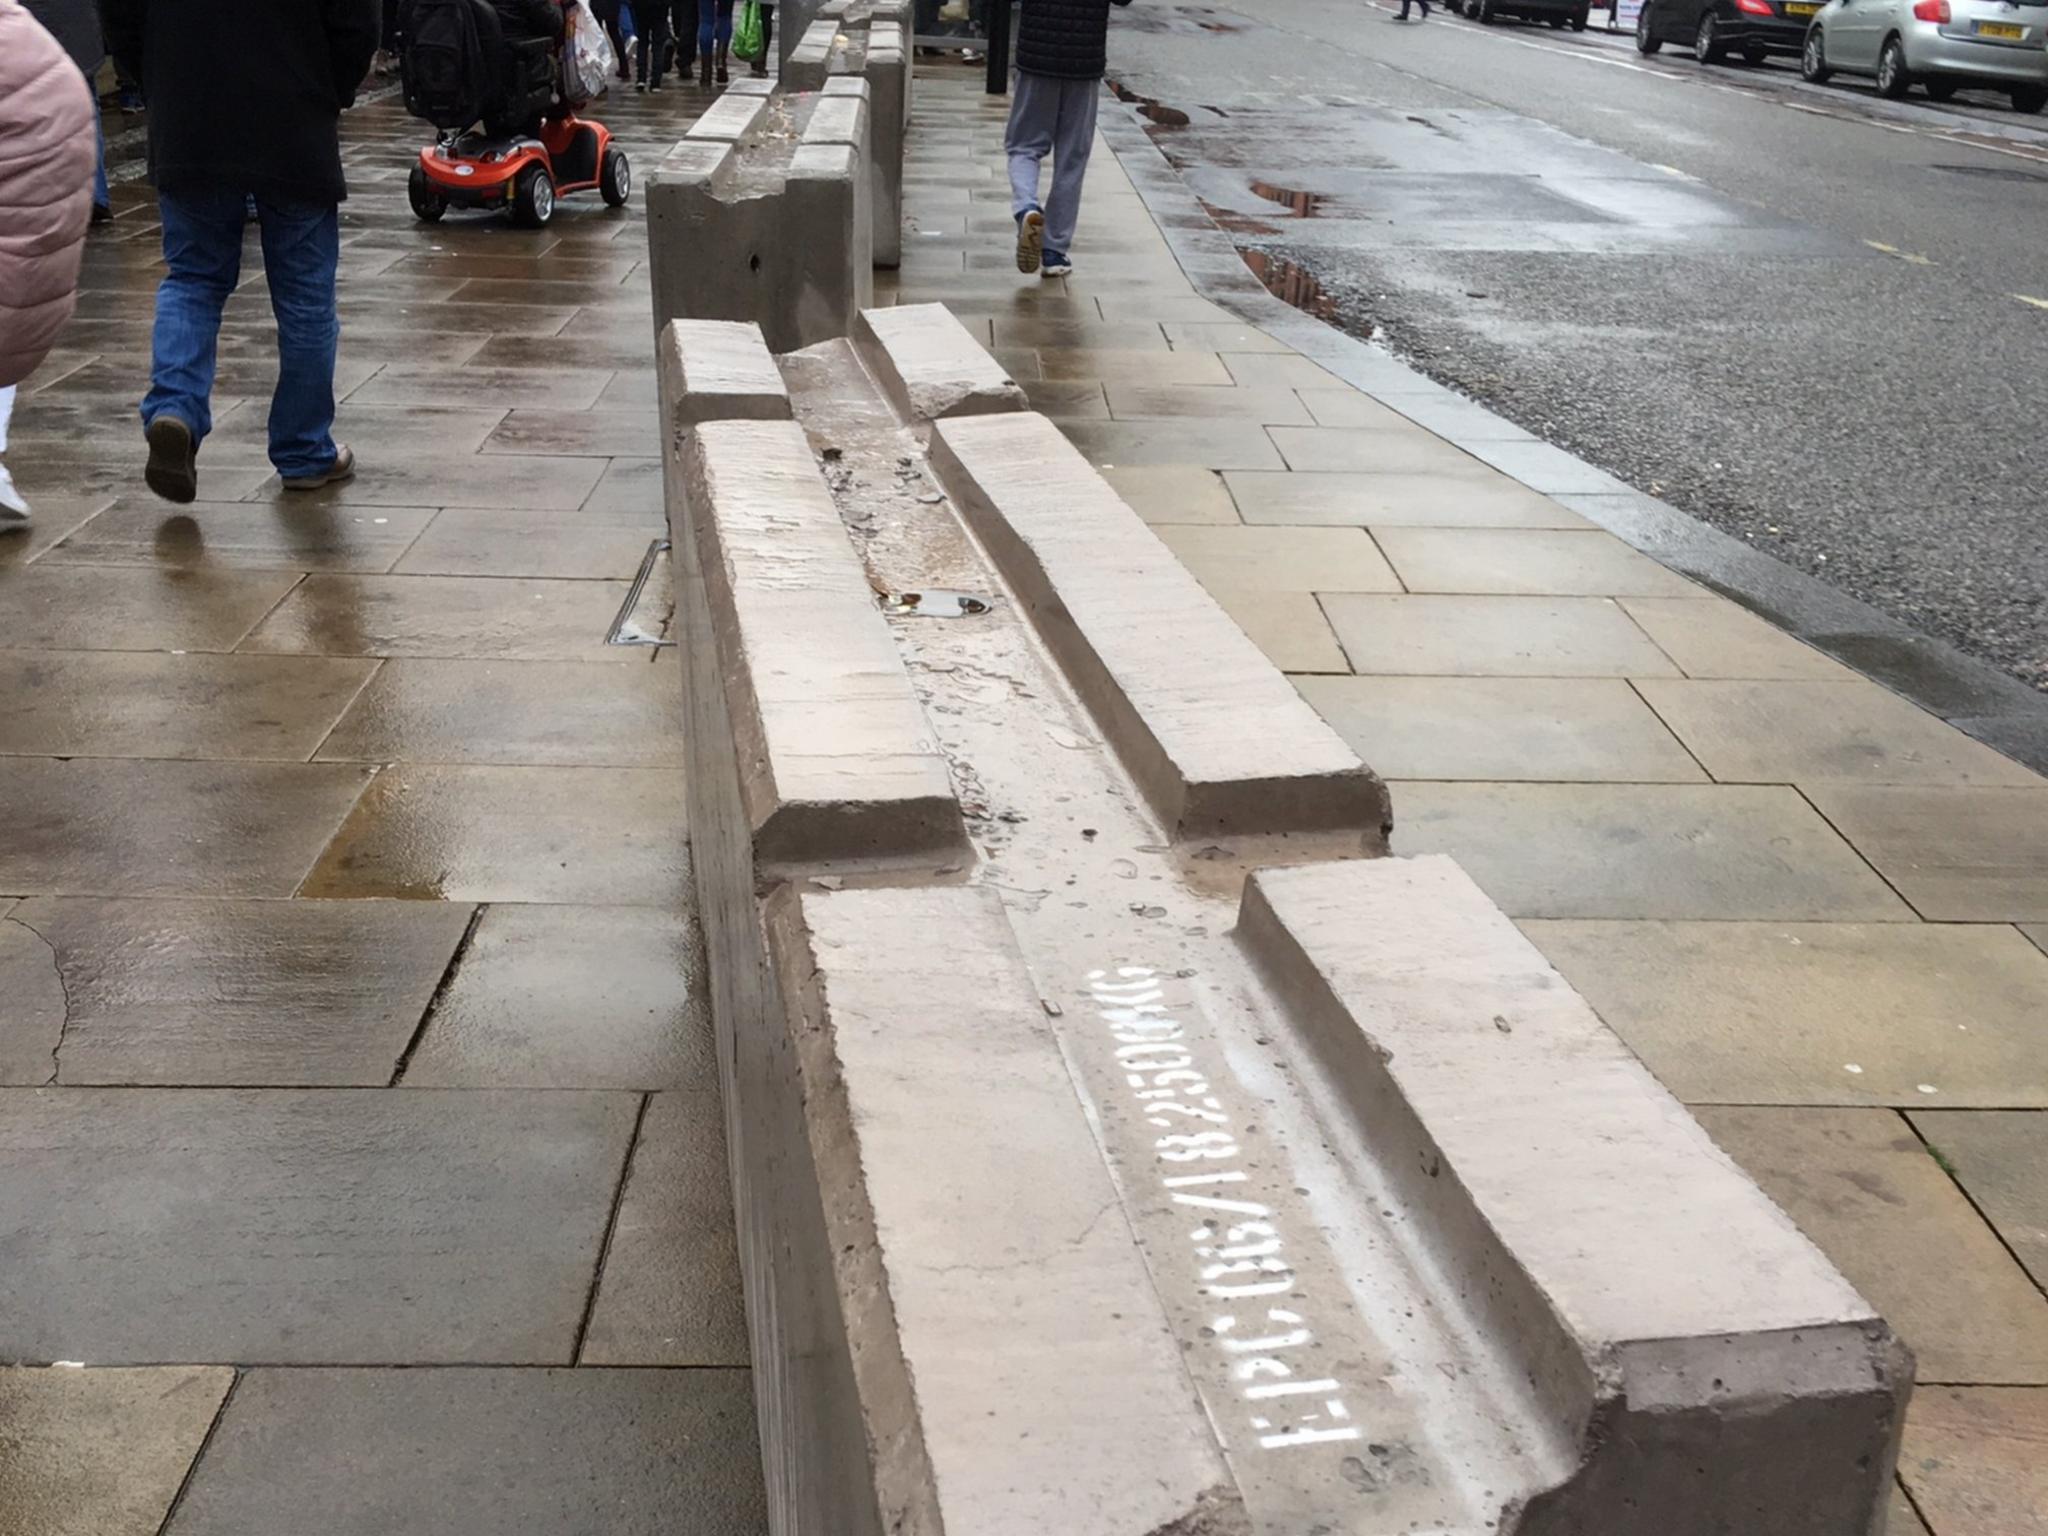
<point x="1714" y="29"/>
<point x="1559" y="13"/>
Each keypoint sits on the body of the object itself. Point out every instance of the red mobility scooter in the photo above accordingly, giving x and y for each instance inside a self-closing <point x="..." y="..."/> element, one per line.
<point x="507" y="143"/>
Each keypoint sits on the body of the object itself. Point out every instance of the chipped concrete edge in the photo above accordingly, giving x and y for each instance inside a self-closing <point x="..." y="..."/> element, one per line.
<point x="723" y="371"/>
<point x="1973" y="696"/>
<point x="930" y="365"/>
<point x="1667" y="1338"/>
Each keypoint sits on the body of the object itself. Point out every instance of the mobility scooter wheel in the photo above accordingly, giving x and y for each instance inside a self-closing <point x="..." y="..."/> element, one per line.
<point x="533" y="197"/>
<point x="427" y="204"/>
<point x="615" y="178"/>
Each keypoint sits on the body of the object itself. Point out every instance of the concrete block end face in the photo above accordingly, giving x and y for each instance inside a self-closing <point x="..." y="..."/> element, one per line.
<point x="931" y="366"/>
<point x="722" y="370"/>
<point x="1218" y="740"/>
<point x="1714" y="1369"/>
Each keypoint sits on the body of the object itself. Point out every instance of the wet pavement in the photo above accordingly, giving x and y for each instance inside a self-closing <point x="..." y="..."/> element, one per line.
<point x="355" y="1010"/>
<point x="1811" y="318"/>
<point x="1809" y="906"/>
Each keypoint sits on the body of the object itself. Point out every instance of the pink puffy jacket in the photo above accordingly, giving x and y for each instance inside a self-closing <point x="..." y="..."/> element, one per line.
<point x="46" y="163"/>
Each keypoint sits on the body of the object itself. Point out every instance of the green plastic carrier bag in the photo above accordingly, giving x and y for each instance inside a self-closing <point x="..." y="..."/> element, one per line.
<point x="747" y="42"/>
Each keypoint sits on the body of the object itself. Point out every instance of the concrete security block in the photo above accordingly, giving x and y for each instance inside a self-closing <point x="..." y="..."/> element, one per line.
<point x="732" y="117"/>
<point x="838" y="764"/>
<point x="1220" y="743"/>
<point x="722" y="371"/>
<point x="1011" y="1364"/>
<point x="1710" y="1369"/>
<point x="810" y="63"/>
<point x="931" y="366"/>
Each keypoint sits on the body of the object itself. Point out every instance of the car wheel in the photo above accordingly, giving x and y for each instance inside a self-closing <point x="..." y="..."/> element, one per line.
<point x="2029" y="98"/>
<point x="1893" y="78"/>
<point x="1706" y="43"/>
<point x="1556" y="23"/>
<point x="427" y="204"/>
<point x="1646" y="40"/>
<point x="1486" y="15"/>
<point x="1580" y="17"/>
<point x="1939" y="90"/>
<point x="1813" y="58"/>
<point x="615" y="178"/>
<point x="533" y="198"/>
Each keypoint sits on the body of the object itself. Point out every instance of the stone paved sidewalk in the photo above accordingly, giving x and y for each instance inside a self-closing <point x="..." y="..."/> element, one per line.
<point x="1820" y="915"/>
<point x="353" y="1016"/>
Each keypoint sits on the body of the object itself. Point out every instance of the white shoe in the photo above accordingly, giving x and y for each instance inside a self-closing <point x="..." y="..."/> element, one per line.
<point x="13" y="510"/>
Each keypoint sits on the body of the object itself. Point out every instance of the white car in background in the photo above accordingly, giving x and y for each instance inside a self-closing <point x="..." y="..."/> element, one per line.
<point x="2001" y="45"/>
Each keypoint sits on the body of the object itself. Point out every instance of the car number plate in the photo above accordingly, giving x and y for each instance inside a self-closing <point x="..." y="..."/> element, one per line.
<point x="1802" y="10"/>
<point x="2000" y="29"/>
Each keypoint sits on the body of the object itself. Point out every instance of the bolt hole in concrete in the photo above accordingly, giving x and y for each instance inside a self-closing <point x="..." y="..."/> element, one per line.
<point x="937" y="603"/>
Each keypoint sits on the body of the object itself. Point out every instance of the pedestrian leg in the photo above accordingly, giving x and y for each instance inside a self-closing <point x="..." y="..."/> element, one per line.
<point x="301" y="252"/>
<point x="1073" y="140"/>
<point x="760" y="65"/>
<point x="651" y="44"/>
<point x="1034" y="112"/>
<point x="202" y="238"/>
<point x="102" y="197"/>
<point x="683" y="27"/>
<point x="13" y="505"/>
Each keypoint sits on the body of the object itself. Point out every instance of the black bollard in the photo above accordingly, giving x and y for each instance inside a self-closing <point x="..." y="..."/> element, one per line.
<point x="999" y="47"/>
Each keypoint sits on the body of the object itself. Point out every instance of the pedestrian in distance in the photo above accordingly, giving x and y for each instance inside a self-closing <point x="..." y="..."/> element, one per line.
<point x="1404" y="10"/>
<point x="245" y="101"/>
<point x="76" y="24"/>
<point x="1062" y="55"/>
<point x="759" y="67"/>
<point x="714" y="40"/>
<point x="46" y="148"/>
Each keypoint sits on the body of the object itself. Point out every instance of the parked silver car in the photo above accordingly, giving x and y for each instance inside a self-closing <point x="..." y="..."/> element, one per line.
<point x="2001" y="45"/>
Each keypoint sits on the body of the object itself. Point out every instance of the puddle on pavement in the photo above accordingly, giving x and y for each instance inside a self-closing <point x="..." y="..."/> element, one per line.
<point x="936" y="603"/>
<point x="1292" y="282"/>
<point x="1305" y="205"/>
<point x="1150" y="107"/>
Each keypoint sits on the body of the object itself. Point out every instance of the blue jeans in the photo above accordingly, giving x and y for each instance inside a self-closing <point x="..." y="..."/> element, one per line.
<point x="714" y="25"/>
<point x="203" y="249"/>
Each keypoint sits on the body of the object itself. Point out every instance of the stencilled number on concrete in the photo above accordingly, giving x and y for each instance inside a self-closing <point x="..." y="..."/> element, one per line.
<point x="1238" y="1250"/>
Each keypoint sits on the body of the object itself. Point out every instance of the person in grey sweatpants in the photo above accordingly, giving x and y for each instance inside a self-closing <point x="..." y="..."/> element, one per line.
<point x="1062" y="53"/>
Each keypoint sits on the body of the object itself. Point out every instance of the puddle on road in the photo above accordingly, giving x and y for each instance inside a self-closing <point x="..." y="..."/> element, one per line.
<point x="1149" y="107"/>
<point x="1238" y="223"/>
<point x="1304" y="205"/>
<point x="1292" y="282"/>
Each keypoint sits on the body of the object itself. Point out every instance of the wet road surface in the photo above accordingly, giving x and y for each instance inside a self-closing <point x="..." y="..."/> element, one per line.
<point x="1813" y="319"/>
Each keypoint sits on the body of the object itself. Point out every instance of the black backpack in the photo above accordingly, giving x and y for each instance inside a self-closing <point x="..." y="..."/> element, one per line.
<point x="452" y="60"/>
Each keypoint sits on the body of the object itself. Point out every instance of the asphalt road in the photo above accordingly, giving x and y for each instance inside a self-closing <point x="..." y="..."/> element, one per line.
<point x="1813" y="319"/>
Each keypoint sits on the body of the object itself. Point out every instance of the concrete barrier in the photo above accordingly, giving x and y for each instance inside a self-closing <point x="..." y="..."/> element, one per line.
<point x="764" y="213"/>
<point x="1092" y="1178"/>
<point x="866" y="39"/>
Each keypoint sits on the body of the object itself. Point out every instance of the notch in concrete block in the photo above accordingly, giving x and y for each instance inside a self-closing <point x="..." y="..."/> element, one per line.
<point x="732" y="117"/>
<point x="1013" y="1366"/>
<point x="1219" y="742"/>
<point x="1702" y="1365"/>
<point x="722" y="370"/>
<point x="931" y="366"/>
<point x="838" y="765"/>
<point x="839" y="117"/>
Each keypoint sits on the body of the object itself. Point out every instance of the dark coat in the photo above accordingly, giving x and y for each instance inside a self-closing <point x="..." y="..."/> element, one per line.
<point x="1066" y="39"/>
<point x="75" y="24"/>
<point x="246" y="95"/>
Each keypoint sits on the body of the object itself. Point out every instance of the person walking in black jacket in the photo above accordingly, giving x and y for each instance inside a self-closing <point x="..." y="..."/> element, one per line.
<point x="245" y="101"/>
<point x="1062" y="53"/>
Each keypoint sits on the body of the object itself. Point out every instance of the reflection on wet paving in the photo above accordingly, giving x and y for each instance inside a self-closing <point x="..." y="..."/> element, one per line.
<point x="1303" y="204"/>
<point x="1290" y="281"/>
<point x="309" y="790"/>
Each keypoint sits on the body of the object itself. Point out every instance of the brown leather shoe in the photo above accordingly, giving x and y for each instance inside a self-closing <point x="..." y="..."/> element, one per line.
<point x="173" y="469"/>
<point x="343" y="468"/>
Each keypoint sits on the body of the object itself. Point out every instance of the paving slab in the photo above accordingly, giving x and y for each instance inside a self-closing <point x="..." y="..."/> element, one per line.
<point x="1279" y="370"/>
<point x="72" y="608"/>
<point x="145" y="704"/>
<point x="1282" y="559"/>
<point x="233" y="535"/>
<point x="1976" y="1460"/>
<point x="557" y="389"/>
<point x="1712" y="637"/>
<point x="108" y="827"/>
<point x="670" y="1292"/>
<point x="482" y="1453"/>
<point x="1068" y="399"/>
<point x="1866" y="1189"/>
<point x="574" y="434"/>
<point x="1204" y="444"/>
<point x="33" y="1023"/>
<point x="1902" y="1519"/>
<point x="1908" y="1015"/>
<point x="1819" y="732"/>
<point x="493" y="541"/>
<point x="496" y="480"/>
<point x="507" y="618"/>
<point x="1582" y="563"/>
<point x="628" y="485"/>
<point x="1221" y="336"/>
<point x="1394" y="500"/>
<point x="1174" y="493"/>
<point x="1645" y="850"/>
<point x="1446" y="636"/>
<point x="100" y="1452"/>
<point x="1111" y="365"/>
<point x="237" y="993"/>
<point x="1290" y="627"/>
<point x="1958" y="855"/>
<point x="2000" y="1157"/>
<point x="1267" y="406"/>
<point x="57" y="518"/>
<point x="572" y="997"/>
<point x="1401" y="450"/>
<point x="304" y="1226"/>
<point x="1543" y="729"/>
<point x="627" y="714"/>
<point x="440" y="833"/>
